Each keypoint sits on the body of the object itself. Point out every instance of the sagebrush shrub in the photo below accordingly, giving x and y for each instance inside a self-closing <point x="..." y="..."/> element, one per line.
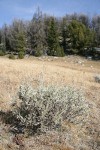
<point x="21" y="55"/>
<point x="45" y="107"/>
<point x="11" y="56"/>
<point x="97" y="78"/>
<point x="2" y="53"/>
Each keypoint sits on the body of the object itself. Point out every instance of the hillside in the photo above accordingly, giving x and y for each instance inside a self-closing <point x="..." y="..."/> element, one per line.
<point x="70" y="70"/>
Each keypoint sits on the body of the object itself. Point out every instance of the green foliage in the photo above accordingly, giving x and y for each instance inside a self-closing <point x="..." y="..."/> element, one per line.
<point x="17" y="36"/>
<point x="64" y="34"/>
<point x="2" y="53"/>
<point x="77" y="33"/>
<point x="53" y="40"/>
<point x="96" y="29"/>
<point x="36" y="33"/>
<point x="11" y="56"/>
<point x="2" y="50"/>
<point x="2" y="47"/>
<point x="21" y="55"/>
<point x="90" y="38"/>
<point x="80" y="36"/>
<point x="53" y="36"/>
<point x="4" y="38"/>
<point x="59" y="52"/>
<point x="38" y="52"/>
<point x="19" y="42"/>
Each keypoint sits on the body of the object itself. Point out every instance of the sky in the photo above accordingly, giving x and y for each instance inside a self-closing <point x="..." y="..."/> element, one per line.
<point x="24" y="9"/>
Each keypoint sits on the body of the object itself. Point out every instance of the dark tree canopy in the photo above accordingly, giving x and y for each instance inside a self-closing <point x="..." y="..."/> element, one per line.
<point x="49" y="35"/>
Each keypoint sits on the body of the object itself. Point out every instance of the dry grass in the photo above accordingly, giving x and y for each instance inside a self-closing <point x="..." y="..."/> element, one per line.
<point x="65" y="70"/>
<point x="75" y="70"/>
<point x="61" y="147"/>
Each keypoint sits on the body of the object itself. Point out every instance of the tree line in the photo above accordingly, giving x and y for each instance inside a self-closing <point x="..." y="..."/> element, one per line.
<point x="49" y="35"/>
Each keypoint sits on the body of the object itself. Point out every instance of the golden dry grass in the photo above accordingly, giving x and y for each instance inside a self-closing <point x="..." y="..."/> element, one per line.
<point x="67" y="70"/>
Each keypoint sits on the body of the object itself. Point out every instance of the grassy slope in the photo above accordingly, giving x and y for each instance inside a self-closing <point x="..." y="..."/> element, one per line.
<point x="67" y="70"/>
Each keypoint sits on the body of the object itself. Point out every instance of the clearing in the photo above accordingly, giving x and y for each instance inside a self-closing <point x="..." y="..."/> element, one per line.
<point x="72" y="70"/>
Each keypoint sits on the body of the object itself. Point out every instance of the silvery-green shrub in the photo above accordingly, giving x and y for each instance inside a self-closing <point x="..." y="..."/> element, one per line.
<point x="45" y="107"/>
<point x="97" y="78"/>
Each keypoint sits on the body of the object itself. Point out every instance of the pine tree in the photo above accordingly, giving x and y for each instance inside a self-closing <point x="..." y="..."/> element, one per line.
<point x="37" y="34"/>
<point x="96" y="28"/>
<point x="77" y="32"/>
<point x="53" y="40"/>
<point x="81" y="37"/>
<point x="4" y="37"/>
<point x="17" y="37"/>
<point x="65" y="36"/>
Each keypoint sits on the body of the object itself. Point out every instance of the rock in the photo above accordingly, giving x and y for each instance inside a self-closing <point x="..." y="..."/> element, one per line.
<point x="89" y="57"/>
<point x="79" y="62"/>
<point x="55" y="57"/>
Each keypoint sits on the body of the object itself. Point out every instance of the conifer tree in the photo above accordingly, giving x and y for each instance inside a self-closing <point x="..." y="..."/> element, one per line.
<point x="37" y="34"/>
<point x="81" y="36"/>
<point x="54" y="48"/>
<point x="65" y="36"/>
<point x="17" y="36"/>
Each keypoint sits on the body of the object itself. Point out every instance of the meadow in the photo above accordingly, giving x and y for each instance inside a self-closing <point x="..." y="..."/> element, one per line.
<point x="68" y="71"/>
